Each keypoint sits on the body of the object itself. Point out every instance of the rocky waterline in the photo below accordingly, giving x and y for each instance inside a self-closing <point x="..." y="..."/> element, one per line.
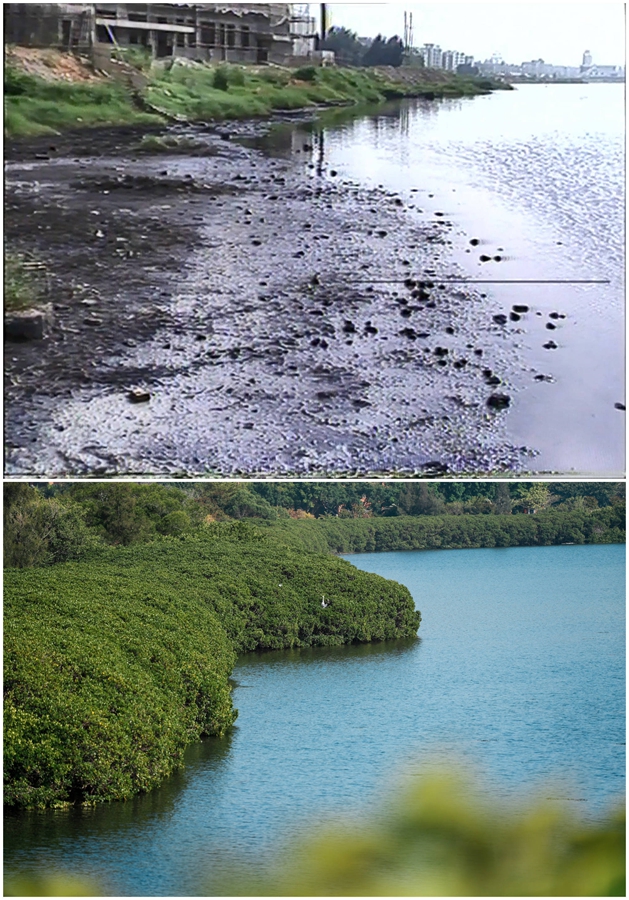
<point x="281" y="320"/>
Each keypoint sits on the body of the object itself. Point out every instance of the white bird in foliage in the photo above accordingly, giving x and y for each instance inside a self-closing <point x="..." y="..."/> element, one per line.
<point x="323" y="603"/>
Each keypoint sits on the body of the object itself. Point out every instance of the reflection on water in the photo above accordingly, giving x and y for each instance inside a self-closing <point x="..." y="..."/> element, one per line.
<point x="536" y="176"/>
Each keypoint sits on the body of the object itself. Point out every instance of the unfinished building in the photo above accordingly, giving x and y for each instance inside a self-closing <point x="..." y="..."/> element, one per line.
<point x="238" y="33"/>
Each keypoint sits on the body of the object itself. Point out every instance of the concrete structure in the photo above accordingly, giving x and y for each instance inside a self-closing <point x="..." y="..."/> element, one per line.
<point x="436" y="58"/>
<point x="239" y="33"/>
<point x="432" y="54"/>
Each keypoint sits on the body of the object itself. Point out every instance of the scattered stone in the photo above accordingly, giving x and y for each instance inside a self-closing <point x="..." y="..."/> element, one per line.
<point x="550" y="326"/>
<point x="484" y="258"/>
<point x="381" y="233"/>
<point x="139" y="395"/>
<point x="550" y="345"/>
<point x="515" y="317"/>
<point x="520" y="308"/>
<point x="497" y="258"/>
<point x="498" y="401"/>
<point x="349" y="327"/>
<point x="410" y="333"/>
<point x="441" y="351"/>
<point x="620" y="406"/>
<point x="474" y="242"/>
<point x="500" y="319"/>
<point x="93" y="321"/>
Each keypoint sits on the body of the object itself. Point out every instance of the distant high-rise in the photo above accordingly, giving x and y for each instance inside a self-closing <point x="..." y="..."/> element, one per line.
<point x="587" y="60"/>
<point x="433" y="56"/>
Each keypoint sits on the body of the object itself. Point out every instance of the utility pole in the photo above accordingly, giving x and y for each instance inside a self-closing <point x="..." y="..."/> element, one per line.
<point x="324" y="22"/>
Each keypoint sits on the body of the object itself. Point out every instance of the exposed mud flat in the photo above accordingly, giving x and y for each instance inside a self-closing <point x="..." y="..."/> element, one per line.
<point x="282" y="321"/>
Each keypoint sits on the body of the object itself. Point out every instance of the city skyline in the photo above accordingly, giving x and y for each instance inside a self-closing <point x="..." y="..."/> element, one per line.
<point x="558" y="32"/>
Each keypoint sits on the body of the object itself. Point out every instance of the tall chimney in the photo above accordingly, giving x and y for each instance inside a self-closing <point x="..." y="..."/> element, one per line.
<point x="324" y="24"/>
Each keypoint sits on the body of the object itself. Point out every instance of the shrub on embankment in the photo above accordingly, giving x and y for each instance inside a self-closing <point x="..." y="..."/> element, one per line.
<point x="113" y="665"/>
<point x="602" y="526"/>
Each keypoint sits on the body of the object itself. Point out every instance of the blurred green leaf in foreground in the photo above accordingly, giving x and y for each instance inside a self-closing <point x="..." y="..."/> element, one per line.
<point x="439" y="837"/>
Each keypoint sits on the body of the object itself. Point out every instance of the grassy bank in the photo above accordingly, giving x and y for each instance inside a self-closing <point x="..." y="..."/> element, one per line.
<point x="113" y="665"/>
<point x="34" y="106"/>
<point x="602" y="526"/>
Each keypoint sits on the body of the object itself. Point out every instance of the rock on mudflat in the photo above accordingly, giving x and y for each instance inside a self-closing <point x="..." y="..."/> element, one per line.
<point x="139" y="395"/>
<point x="27" y="324"/>
<point x="498" y="401"/>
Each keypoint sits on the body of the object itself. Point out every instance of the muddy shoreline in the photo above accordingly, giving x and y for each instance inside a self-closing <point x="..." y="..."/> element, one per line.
<point x="284" y="321"/>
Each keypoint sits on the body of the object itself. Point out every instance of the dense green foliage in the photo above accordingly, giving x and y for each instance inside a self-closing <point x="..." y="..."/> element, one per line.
<point x="601" y="526"/>
<point x="46" y="524"/>
<point x="441" y="837"/>
<point x="114" y="665"/>
<point x="41" y="531"/>
<point x="372" y="498"/>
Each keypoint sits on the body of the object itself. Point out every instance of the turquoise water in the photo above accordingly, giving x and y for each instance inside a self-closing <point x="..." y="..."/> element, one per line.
<point x="520" y="670"/>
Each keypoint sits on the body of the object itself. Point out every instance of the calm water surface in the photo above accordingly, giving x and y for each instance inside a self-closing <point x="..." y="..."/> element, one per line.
<point x="520" y="670"/>
<point x="537" y="176"/>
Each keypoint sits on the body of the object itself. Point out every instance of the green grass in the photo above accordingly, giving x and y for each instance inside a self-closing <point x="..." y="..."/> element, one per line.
<point x="24" y="281"/>
<point x="53" y="107"/>
<point x="115" y="664"/>
<point x="203" y="93"/>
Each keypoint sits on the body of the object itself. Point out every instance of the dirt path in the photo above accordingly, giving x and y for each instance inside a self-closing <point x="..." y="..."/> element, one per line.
<point x="235" y="288"/>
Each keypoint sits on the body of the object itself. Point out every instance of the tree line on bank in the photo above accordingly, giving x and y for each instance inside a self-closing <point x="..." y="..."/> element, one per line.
<point x="46" y="524"/>
<point x="350" y="51"/>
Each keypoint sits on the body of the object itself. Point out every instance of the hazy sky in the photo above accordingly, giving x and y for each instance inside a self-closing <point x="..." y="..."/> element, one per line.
<point x="556" y="32"/>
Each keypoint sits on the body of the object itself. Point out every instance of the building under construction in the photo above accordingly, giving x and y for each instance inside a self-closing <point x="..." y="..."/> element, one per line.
<point x="239" y="33"/>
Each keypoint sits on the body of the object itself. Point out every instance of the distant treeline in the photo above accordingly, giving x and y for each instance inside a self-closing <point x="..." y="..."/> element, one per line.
<point x="47" y="523"/>
<point x="600" y="526"/>
<point x="349" y="50"/>
<point x="113" y="665"/>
